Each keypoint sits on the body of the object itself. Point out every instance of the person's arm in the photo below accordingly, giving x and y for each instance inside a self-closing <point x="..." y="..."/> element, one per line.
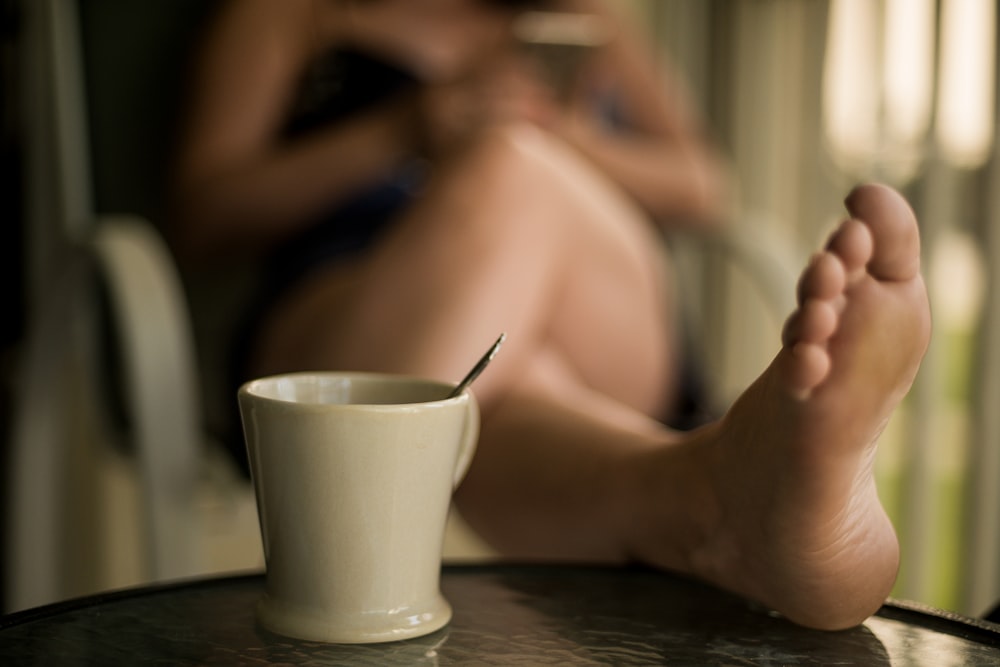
<point x="665" y="160"/>
<point x="238" y="185"/>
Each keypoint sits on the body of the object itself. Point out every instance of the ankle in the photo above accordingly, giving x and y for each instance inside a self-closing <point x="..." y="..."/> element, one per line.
<point x="673" y="507"/>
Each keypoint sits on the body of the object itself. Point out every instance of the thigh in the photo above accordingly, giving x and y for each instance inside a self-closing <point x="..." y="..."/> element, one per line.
<point x="305" y="328"/>
<point x="614" y="318"/>
<point x="518" y="235"/>
<point x="614" y="322"/>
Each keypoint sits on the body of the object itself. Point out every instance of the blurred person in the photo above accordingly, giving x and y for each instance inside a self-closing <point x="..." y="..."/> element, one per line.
<point x="416" y="184"/>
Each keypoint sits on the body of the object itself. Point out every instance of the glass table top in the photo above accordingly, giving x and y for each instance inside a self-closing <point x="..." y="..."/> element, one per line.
<point x="503" y="615"/>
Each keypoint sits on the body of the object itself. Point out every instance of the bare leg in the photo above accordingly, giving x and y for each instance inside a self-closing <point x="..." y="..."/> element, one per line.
<point x="515" y="235"/>
<point x="797" y="520"/>
<point x="777" y="500"/>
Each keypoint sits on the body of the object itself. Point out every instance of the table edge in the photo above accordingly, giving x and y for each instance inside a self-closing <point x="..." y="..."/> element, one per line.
<point x="914" y="613"/>
<point x="942" y="620"/>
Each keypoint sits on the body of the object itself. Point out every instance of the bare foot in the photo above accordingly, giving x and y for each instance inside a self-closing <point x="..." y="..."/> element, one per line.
<point x="794" y="520"/>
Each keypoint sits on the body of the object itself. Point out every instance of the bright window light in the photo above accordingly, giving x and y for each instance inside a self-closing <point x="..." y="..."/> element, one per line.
<point x="909" y="69"/>
<point x="877" y="85"/>
<point x="850" y="87"/>
<point x="965" y="100"/>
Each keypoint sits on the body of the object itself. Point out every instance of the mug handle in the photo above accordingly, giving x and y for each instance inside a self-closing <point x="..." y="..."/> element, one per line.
<point x="470" y="436"/>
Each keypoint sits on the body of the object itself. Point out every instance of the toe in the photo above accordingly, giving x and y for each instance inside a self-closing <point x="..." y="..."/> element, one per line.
<point x="853" y="244"/>
<point x="804" y="367"/>
<point x="824" y="278"/>
<point x="893" y="226"/>
<point x="814" y="322"/>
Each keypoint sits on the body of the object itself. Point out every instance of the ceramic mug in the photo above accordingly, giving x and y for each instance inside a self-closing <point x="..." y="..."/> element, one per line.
<point x="353" y="475"/>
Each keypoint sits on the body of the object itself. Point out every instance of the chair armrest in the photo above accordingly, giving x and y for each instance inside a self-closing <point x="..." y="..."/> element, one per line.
<point x="153" y="324"/>
<point x="58" y="395"/>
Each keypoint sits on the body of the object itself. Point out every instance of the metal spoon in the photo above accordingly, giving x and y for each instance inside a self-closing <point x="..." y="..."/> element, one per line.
<point x="478" y="368"/>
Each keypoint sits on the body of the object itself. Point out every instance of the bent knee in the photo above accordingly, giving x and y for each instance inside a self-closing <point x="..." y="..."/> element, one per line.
<point x="530" y="182"/>
<point x="513" y="157"/>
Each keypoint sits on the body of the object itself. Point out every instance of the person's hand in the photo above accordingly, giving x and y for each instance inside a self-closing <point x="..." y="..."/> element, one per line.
<point x="438" y="40"/>
<point x="508" y="90"/>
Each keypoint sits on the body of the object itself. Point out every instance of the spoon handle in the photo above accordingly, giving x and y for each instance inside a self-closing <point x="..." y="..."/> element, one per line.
<point x="478" y="368"/>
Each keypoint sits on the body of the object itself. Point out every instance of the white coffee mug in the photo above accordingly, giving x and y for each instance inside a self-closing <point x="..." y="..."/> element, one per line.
<point x="353" y="475"/>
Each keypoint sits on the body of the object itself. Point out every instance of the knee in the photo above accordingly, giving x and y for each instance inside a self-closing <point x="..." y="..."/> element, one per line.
<point x="513" y="159"/>
<point x="525" y="179"/>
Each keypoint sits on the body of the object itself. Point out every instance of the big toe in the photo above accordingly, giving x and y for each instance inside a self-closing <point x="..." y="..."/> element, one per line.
<point x="893" y="227"/>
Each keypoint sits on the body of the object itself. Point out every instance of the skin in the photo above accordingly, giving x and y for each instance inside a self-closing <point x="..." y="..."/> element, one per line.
<point x="776" y="500"/>
<point x="237" y="182"/>
<point x="536" y="222"/>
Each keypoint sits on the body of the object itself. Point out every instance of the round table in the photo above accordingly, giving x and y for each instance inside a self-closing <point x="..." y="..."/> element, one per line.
<point x="503" y="615"/>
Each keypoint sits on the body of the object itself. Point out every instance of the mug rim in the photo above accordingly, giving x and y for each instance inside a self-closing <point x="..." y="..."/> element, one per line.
<point x="248" y="387"/>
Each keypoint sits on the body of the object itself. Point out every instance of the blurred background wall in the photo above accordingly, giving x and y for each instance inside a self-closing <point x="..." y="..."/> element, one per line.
<point x="806" y="96"/>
